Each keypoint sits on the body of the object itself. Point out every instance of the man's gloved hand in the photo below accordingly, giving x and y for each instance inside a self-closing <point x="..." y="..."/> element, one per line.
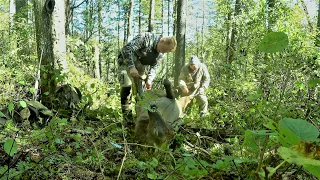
<point x="201" y="91"/>
<point x="185" y="90"/>
<point x="148" y="85"/>
<point x="133" y="72"/>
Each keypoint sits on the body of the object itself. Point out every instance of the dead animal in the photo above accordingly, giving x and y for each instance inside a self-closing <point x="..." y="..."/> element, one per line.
<point x="158" y="123"/>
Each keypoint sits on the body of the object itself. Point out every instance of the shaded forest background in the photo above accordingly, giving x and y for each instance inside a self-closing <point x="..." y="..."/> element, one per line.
<point x="46" y="43"/>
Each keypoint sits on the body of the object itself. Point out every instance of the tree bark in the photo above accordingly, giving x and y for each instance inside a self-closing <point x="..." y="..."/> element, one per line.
<point x="140" y="16"/>
<point x="151" y="16"/>
<point x="43" y="21"/>
<point x="59" y="36"/>
<point x="181" y="32"/>
<point x="96" y="58"/>
<point x="307" y="14"/>
<point x="130" y="14"/>
<point x="318" y="27"/>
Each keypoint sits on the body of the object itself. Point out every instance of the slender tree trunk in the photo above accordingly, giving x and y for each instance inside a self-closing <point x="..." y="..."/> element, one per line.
<point x="21" y="40"/>
<point x="228" y="29"/>
<point x="118" y="27"/>
<point x="181" y="32"/>
<point x="202" y="30"/>
<point x="99" y="34"/>
<point x="307" y="14"/>
<point x="140" y="16"/>
<point x="174" y="17"/>
<point x="59" y="36"/>
<point x="151" y="16"/>
<point x="68" y="13"/>
<point x="125" y="26"/>
<point x="233" y="45"/>
<point x="12" y="12"/>
<point x="168" y="17"/>
<point x="130" y="15"/>
<point x="43" y="23"/>
<point x="96" y="58"/>
<point x="167" y="66"/>
<point x="318" y="27"/>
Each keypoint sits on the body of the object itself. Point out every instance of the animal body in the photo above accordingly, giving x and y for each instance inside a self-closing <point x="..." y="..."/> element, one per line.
<point x="158" y="123"/>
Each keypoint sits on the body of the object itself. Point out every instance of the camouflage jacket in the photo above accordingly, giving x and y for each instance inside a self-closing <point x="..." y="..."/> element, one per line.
<point x="194" y="80"/>
<point x="143" y="48"/>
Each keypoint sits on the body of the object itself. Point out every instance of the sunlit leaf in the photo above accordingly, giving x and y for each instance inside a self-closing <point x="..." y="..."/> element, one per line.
<point x="304" y="130"/>
<point x="23" y="104"/>
<point x="32" y="90"/>
<point x="274" y="42"/>
<point x="152" y="176"/>
<point x="10" y="108"/>
<point x="10" y="147"/>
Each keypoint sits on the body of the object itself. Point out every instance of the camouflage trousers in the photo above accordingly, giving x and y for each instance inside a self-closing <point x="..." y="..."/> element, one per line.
<point x="202" y="102"/>
<point x="129" y="87"/>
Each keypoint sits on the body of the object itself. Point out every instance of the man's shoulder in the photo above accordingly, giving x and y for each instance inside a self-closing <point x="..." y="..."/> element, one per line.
<point x="202" y="65"/>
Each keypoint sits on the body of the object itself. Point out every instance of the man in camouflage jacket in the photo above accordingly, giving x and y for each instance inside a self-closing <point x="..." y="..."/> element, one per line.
<point x="144" y="50"/>
<point x="194" y="79"/>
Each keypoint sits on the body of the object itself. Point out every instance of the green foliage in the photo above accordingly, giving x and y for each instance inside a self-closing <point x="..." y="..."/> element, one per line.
<point x="274" y="42"/>
<point x="10" y="147"/>
<point x="303" y="130"/>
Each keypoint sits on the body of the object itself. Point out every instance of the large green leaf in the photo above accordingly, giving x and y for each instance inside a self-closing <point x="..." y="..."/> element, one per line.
<point x="274" y="42"/>
<point x="314" y="170"/>
<point x="10" y="147"/>
<point x="293" y="156"/>
<point x="304" y="130"/>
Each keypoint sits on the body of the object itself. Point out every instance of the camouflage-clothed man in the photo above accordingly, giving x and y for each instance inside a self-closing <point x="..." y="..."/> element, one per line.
<point x="144" y="50"/>
<point x="194" y="79"/>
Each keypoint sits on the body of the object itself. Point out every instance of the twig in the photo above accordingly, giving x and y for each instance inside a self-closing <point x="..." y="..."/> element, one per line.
<point x="197" y="148"/>
<point x="125" y="152"/>
<point x="76" y="6"/>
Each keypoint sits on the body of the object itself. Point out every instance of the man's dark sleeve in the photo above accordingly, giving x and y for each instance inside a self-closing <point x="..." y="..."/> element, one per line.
<point x="139" y="42"/>
<point x="153" y="69"/>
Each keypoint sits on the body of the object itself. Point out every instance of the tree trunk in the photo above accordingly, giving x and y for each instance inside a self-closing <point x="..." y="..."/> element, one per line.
<point x="233" y="46"/>
<point x="140" y="16"/>
<point x="125" y="27"/>
<point x="12" y="12"/>
<point x="202" y="30"/>
<point x="318" y="27"/>
<point x="130" y="14"/>
<point x="68" y="13"/>
<point x="59" y="36"/>
<point x="43" y="21"/>
<point x="96" y="58"/>
<point x="22" y="40"/>
<point x="151" y="16"/>
<point x="99" y="35"/>
<point x="307" y="14"/>
<point x="181" y="32"/>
